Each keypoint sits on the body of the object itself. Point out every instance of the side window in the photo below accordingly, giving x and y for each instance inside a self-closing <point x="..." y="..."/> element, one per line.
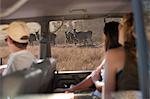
<point x="3" y="45"/>
<point x="2" y="34"/>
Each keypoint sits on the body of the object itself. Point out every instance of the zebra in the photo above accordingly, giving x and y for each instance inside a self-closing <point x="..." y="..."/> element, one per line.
<point x="83" y="37"/>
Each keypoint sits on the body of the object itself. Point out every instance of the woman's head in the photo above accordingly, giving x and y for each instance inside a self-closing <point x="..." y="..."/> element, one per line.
<point x="126" y="29"/>
<point x="111" y="34"/>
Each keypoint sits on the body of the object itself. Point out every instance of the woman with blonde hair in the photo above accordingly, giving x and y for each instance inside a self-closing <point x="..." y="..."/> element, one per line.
<point x="121" y="65"/>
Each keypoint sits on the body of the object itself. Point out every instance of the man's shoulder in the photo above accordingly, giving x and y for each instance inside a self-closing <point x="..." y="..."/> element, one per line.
<point x="22" y="54"/>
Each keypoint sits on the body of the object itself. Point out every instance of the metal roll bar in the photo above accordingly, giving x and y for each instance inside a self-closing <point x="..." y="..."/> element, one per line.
<point x="142" y="48"/>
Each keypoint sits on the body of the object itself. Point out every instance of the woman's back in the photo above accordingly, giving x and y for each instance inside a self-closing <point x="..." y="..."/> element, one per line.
<point x="114" y="63"/>
<point x="116" y="57"/>
<point x="123" y="62"/>
<point x="127" y="78"/>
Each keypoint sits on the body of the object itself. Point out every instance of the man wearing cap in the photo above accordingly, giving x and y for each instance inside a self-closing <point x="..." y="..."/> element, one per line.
<point x="17" y="40"/>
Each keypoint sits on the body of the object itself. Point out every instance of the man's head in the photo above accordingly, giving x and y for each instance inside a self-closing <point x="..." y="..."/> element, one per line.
<point x="17" y="34"/>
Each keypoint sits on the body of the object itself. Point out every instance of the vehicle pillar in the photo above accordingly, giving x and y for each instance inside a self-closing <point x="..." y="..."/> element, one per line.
<point x="45" y="48"/>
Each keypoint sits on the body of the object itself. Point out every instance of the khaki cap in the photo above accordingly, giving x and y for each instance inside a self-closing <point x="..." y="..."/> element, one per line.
<point x="18" y="31"/>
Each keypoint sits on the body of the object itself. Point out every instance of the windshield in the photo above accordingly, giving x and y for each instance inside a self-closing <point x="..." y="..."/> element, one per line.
<point x="71" y="53"/>
<point x="82" y="55"/>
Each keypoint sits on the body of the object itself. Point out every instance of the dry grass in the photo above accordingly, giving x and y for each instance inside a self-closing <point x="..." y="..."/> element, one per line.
<point x="72" y="58"/>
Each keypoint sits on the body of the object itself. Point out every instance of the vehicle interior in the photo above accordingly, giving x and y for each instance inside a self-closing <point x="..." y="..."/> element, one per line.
<point x="41" y="80"/>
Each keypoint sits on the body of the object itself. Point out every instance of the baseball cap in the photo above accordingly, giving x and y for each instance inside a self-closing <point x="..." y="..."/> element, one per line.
<point x="18" y="31"/>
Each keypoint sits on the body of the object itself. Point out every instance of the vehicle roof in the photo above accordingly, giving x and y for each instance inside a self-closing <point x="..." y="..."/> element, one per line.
<point x="39" y="8"/>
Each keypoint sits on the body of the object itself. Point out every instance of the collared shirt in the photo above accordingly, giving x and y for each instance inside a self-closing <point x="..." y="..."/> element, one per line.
<point x="19" y="61"/>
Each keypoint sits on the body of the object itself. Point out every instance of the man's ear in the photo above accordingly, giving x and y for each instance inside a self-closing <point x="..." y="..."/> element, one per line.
<point x="9" y="41"/>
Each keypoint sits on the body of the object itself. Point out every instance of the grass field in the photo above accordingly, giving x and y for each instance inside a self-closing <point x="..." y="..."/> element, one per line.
<point x="71" y="58"/>
<point x="77" y="58"/>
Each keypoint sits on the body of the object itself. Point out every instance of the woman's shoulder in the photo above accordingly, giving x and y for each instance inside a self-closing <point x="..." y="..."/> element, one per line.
<point x="115" y="57"/>
<point x="115" y="51"/>
<point x="115" y="54"/>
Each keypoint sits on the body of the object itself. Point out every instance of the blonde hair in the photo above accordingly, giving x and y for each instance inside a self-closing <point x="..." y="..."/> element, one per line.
<point x="128" y="25"/>
<point x="129" y="35"/>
